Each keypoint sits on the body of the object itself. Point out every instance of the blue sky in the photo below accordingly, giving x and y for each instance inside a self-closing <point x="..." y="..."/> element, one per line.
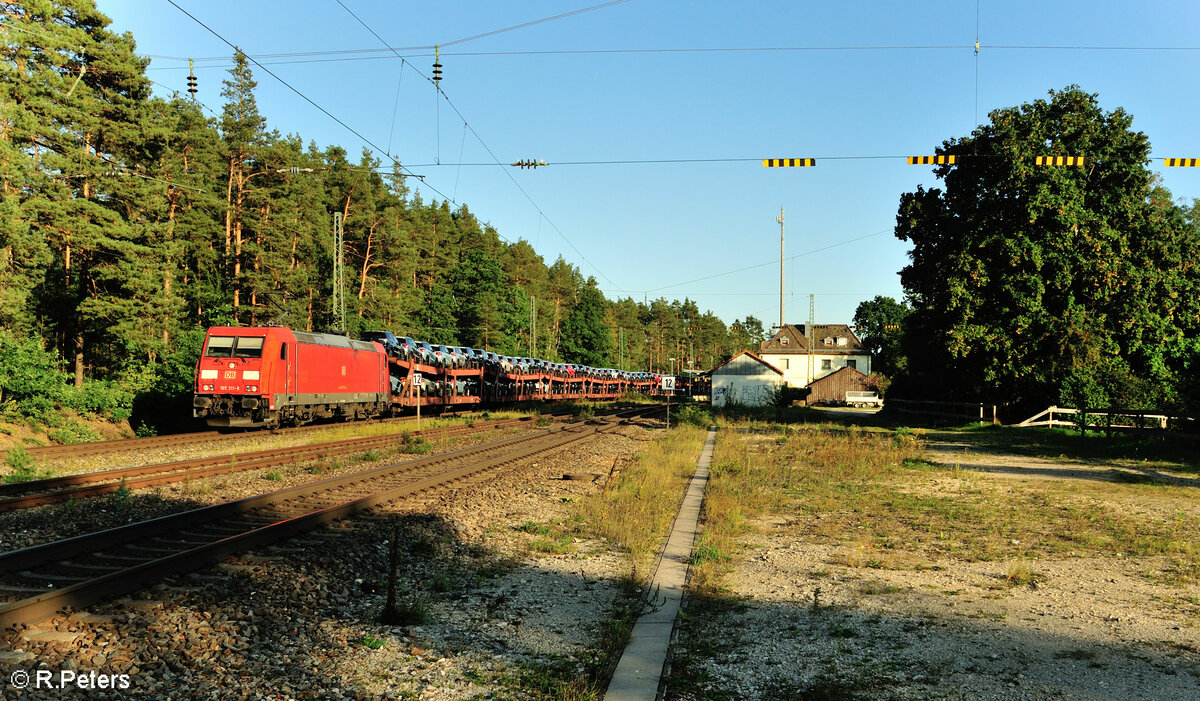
<point x="592" y="91"/>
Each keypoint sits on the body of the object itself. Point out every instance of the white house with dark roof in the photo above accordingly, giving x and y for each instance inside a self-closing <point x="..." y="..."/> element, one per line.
<point x="834" y="347"/>
<point x="745" y="380"/>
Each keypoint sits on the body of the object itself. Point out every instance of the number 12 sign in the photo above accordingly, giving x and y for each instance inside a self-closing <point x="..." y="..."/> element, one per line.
<point x="668" y="383"/>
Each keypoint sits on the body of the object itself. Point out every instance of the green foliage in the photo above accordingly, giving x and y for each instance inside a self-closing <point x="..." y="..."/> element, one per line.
<point x="31" y="384"/>
<point x="694" y="415"/>
<point x="1030" y="283"/>
<point x="23" y="467"/>
<point x="587" y="338"/>
<point x="125" y="274"/>
<point x="878" y="324"/>
<point x="120" y="497"/>
<point x="417" y="445"/>
<point x="71" y="432"/>
<point x="144" y="431"/>
<point x="371" y="642"/>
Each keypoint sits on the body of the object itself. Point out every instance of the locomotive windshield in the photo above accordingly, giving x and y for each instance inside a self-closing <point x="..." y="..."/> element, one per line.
<point x="234" y="347"/>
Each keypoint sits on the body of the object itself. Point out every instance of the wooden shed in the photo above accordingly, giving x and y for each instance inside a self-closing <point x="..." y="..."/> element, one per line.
<point x="833" y="387"/>
<point x="745" y="380"/>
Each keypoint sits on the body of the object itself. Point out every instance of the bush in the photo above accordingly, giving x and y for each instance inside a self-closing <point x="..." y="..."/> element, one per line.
<point x="103" y="398"/>
<point x="23" y="467"/>
<point x="693" y="415"/>
<point x="72" y="432"/>
<point x="31" y="385"/>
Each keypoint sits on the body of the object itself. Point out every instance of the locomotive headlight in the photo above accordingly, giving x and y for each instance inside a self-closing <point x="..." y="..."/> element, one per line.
<point x="251" y="388"/>
<point x="206" y="388"/>
<point x="250" y="375"/>
<point x="208" y="374"/>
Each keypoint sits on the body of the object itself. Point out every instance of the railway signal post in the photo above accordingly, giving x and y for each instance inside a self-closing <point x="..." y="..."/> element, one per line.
<point x="416" y="378"/>
<point x="668" y="386"/>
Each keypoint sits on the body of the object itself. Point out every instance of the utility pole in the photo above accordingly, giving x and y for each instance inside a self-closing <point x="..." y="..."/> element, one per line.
<point x="780" y="220"/>
<point x="339" y="274"/>
<point x="810" y="336"/>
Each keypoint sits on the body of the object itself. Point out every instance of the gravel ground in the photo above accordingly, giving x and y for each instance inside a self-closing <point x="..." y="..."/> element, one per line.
<point x="800" y="622"/>
<point x="299" y="620"/>
<point x="21" y="529"/>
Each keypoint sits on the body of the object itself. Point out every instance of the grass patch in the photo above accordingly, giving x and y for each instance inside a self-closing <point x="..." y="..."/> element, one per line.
<point x="371" y="642"/>
<point x="1019" y="575"/>
<point x="1166" y="454"/>
<point x="907" y="511"/>
<point x="534" y="528"/>
<point x="415" y="445"/>
<point x="636" y="510"/>
<point x="878" y="588"/>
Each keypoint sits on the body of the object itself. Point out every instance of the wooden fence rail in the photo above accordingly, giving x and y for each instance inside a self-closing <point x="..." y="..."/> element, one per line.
<point x="969" y="411"/>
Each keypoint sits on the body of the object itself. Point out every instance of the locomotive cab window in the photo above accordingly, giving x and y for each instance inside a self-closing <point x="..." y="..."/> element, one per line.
<point x="234" y="347"/>
<point x="283" y="351"/>
<point x="249" y="347"/>
<point x="220" y="347"/>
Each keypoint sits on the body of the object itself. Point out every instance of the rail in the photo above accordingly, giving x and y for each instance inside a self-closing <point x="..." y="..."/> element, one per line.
<point x="83" y="570"/>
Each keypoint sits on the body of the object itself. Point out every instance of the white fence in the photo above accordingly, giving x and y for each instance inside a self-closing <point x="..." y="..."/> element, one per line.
<point x="1107" y="420"/>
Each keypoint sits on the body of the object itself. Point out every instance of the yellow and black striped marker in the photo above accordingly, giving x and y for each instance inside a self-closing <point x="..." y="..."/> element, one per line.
<point x="1182" y="162"/>
<point x="788" y="162"/>
<point x="1060" y="160"/>
<point x="932" y="160"/>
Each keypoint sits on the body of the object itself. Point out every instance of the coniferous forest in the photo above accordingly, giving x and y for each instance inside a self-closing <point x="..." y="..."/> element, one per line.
<point x="131" y="222"/>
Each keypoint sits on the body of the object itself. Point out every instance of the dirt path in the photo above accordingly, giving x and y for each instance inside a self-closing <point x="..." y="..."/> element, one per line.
<point x="833" y="617"/>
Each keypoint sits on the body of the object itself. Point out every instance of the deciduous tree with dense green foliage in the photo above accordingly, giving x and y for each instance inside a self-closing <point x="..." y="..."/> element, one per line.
<point x="879" y="323"/>
<point x="1037" y="285"/>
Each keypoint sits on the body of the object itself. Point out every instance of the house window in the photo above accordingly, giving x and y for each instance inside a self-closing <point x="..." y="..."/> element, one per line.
<point x="783" y="340"/>
<point x="828" y="341"/>
<point x="785" y="364"/>
<point x="827" y="364"/>
<point x="841" y="341"/>
<point x="852" y="364"/>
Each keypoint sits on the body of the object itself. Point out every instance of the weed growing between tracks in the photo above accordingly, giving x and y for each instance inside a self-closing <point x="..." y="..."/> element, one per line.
<point x="23" y="466"/>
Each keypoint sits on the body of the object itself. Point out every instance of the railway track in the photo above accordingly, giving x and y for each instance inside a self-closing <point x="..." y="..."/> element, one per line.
<point x="124" y="445"/>
<point x="76" y="572"/>
<point x="24" y="495"/>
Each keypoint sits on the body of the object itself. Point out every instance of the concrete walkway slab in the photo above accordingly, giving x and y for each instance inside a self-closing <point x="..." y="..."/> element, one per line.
<point x="641" y="666"/>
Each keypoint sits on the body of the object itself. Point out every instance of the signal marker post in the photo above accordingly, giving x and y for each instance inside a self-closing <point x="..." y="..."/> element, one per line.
<point x="416" y="378"/>
<point x="668" y="387"/>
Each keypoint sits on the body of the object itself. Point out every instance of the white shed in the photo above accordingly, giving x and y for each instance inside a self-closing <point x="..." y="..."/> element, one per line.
<point x="745" y="380"/>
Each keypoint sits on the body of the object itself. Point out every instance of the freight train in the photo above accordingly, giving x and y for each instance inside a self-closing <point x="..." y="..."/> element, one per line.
<point x="252" y="377"/>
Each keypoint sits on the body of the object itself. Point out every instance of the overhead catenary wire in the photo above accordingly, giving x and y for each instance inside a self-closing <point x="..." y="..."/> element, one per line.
<point x="376" y="54"/>
<point x="466" y="125"/>
<point x="770" y="262"/>
<point x="289" y="86"/>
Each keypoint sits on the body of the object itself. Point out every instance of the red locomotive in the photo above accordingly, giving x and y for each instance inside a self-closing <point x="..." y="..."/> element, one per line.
<point x="262" y="377"/>
<point x="254" y="377"/>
